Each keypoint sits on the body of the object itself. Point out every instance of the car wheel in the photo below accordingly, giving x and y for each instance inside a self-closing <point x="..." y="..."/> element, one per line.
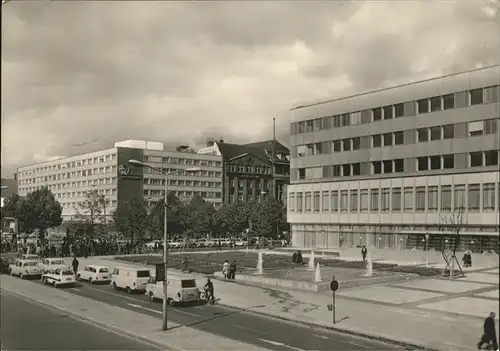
<point x="152" y="297"/>
<point x="78" y="277"/>
<point x="21" y="276"/>
<point x="170" y="302"/>
<point x="114" y="286"/>
<point x="129" y="291"/>
<point x="11" y="272"/>
<point x="90" y="281"/>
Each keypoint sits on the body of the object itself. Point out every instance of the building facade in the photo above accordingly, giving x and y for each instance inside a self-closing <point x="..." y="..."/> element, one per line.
<point x="393" y="168"/>
<point x="252" y="172"/>
<point x="109" y="172"/>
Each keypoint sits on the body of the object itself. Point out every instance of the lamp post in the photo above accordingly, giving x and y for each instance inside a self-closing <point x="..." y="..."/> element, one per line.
<point x="165" y="231"/>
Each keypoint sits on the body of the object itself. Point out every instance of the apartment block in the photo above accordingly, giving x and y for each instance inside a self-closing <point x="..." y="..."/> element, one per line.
<point x="389" y="167"/>
<point x="109" y="172"/>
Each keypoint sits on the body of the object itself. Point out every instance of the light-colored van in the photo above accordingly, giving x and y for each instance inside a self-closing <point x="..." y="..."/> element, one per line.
<point x="130" y="279"/>
<point x="179" y="290"/>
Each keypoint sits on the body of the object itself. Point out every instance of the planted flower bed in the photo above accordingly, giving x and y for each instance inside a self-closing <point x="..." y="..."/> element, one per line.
<point x="212" y="262"/>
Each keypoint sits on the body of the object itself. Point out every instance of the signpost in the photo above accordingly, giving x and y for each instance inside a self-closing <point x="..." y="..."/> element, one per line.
<point x="160" y="272"/>
<point x="334" y="286"/>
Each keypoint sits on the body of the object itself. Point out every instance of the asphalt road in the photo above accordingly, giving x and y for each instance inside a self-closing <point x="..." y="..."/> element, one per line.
<point x="250" y="328"/>
<point x="29" y="326"/>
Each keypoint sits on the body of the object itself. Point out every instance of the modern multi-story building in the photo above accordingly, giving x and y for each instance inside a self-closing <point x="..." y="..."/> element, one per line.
<point x="109" y="172"/>
<point x="252" y="172"/>
<point x="390" y="168"/>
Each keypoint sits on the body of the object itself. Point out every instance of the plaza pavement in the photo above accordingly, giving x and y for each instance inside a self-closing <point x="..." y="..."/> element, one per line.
<point x="429" y="312"/>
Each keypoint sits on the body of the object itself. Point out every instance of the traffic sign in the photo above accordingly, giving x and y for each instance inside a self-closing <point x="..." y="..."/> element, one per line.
<point x="334" y="285"/>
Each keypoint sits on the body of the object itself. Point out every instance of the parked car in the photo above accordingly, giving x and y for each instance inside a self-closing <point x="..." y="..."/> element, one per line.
<point x="175" y="244"/>
<point x="59" y="277"/>
<point x="29" y="257"/>
<point x="51" y="263"/>
<point x="130" y="279"/>
<point x="94" y="274"/>
<point x="180" y="290"/>
<point x="25" y="268"/>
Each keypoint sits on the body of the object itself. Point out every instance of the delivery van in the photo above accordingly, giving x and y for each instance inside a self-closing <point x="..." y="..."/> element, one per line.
<point x="130" y="279"/>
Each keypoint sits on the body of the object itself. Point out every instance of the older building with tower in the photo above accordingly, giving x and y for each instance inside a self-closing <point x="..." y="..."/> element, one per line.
<point x="390" y="168"/>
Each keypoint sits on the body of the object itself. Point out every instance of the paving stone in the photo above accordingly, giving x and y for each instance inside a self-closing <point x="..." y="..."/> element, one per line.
<point x="464" y="305"/>
<point x="388" y="294"/>
<point x="445" y="286"/>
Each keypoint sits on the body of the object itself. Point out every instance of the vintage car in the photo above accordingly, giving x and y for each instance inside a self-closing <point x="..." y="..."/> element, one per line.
<point x="25" y="269"/>
<point x="94" y="274"/>
<point x="179" y="290"/>
<point x="49" y="263"/>
<point x="59" y="277"/>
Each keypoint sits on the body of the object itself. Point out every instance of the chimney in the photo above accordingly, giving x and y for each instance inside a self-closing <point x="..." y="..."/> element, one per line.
<point x="221" y="141"/>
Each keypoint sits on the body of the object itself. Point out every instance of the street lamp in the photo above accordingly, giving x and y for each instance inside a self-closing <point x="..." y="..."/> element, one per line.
<point x="165" y="231"/>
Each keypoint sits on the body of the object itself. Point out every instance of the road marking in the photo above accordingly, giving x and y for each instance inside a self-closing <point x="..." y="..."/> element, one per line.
<point x="144" y="308"/>
<point x="188" y="313"/>
<point x="75" y="289"/>
<point x="249" y="329"/>
<point x="275" y="343"/>
<point x="359" y="345"/>
<point x="321" y="336"/>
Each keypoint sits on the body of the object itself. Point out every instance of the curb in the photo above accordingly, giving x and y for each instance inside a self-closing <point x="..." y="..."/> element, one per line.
<point x="96" y="322"/>
<point x="406" y="345"/>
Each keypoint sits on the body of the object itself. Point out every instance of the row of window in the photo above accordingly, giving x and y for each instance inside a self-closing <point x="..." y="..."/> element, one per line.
<point x="68" y="185"/>
<point x="182" y="161"/>
<point x="68" y="175"/>
<point x="185" y="194"/>
<point x="249" y="169"/>
<point x="407" y="109"/>
<point x="201" y="173"/>
<point x="476" y="128"/>
<point x="182" y="182"/>
<point x="424" y="163"/>
<point x="444" y="198"/>
<point x="85" y="162"/>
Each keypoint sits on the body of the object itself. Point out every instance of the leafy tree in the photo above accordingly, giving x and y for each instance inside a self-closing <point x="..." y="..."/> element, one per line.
<point x="202" y="219"/>
<point x="12" y="207"/>
<point x="269" y="218"/>
<point x="131" y="218"/>
<point x="92" y="212"/>
<point x="40" y="210"/>
<point x="234" y="218"/>
<point x="175" y="216"/>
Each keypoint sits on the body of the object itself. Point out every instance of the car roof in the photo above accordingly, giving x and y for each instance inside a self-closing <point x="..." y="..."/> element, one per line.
<point x="28" y="260"/>
<point x="96" y="266"/>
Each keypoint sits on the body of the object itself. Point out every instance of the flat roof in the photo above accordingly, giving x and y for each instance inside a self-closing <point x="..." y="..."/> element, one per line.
<point x="392" y="87"/>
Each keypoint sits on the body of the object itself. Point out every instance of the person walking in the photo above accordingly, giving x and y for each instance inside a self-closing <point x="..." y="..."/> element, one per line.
<point x="489" y="332"/>
<point x="364" y="253"/>
<point x="75" y="264"/>
<point x="225" y="269"/>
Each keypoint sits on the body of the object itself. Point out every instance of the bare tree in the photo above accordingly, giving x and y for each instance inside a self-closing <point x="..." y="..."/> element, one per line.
<point x="92" y="211"/>
<point x="452" y="225"/>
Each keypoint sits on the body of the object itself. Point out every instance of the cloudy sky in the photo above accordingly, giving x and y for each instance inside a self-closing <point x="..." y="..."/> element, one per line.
<point x="179" y="72"/>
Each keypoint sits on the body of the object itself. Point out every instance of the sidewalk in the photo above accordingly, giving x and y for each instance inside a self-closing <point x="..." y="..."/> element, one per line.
<point x="135" y="325"/>
<point x="395" y="319"/>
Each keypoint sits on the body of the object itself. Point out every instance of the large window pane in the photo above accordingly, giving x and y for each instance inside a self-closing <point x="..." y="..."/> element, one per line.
<point x="446" y="198"/>
<point x="459" y="197"/>
<point x="385" y="199"/>
<point x="396" y="199"/>
<point x="420" y="199"/>
<point x="316" y="202"/>
<point x="432" y="198"/>
<point x="488" y="197"/>
<point x="308" y="201"/>
<point x="291" y="202"/>
<point x="325" y="201"/>
<point x="335" y="201"/>
<point x="473" y="197"/>
<point x="374" y="200"/>
<point x="300" y="203"/>
<point x="364" y="200"/>
<point x="408" y="199"/>
<point x="354" y="200"/>
<point x="343" y="200"/>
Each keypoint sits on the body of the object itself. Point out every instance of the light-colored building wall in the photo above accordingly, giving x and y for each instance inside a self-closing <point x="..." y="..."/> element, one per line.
<point x="355" y="172"/>
<point x="70" y="178"/>
<point x="206" y="182"/>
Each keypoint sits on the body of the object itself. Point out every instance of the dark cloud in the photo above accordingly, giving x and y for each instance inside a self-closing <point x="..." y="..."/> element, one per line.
<point x="180" y="72"/>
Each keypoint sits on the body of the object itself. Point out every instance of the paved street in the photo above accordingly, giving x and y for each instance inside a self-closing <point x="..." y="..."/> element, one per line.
<point x="29" y="326"/>
<point x="249" y="328"/>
